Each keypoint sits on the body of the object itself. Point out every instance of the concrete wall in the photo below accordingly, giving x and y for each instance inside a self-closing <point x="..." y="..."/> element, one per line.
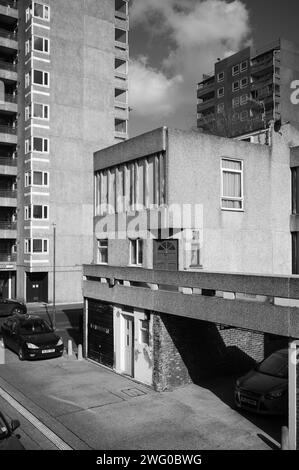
<point x="256" y="240"/>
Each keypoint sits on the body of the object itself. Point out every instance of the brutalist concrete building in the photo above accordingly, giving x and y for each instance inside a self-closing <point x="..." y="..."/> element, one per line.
<point x="63" y="85"/>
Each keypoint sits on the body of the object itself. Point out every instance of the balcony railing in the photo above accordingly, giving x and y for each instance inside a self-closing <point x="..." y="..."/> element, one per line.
<point x="9" y="98"/>
<point x="5" y="225"/>
<point x="8" y="193"/>
<point x="8" y="257"/>
<point x="9" y="3"/>
<point x="8" y="130"/>
<point x="8" y="161"/>
<point x="8" y="66"/>
<point x="4" y="33"/>
<point x="256" y="302"/>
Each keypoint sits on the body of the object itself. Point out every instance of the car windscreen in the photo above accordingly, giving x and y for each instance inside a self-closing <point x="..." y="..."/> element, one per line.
<point x="33" y="327"/>
<point x="4" y="432"/>
<point x="276" y="365"/>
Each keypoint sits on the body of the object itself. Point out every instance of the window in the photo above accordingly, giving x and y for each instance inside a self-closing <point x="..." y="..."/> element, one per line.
<point x="40" y="145"/>
<point x="244" y="65"/>
<point x="41" y="11"/>
<point x="195" y="249"/>
<point x="244" y="82"/>
<point x="236" y="86"/>
<point x="27" y="113"/>
<point x="236" y="116"/>
<point x="144" y="332"/>
<point x="220" y="108"/>
<point x="40" y="78"/>
<point x="40" y="111"/>
<point x="120" y="66"/>
<point x="121" y="35"/>
<point x="136" y="252"/>
<point x="41" y="44"/>
<point x="27" y="47"/>
<point x="27" y="145"/>
<point x="27" y="80"/>
<point x="28" y="14"/>
<point x="232" y="184"/>
<point x="235" y="69"/>
<point x="120" y="125"/>
<point x="236" y="102"/>
<point x="220" y="77"/>
<point x="244" y="115"/>
<point x="103" y="251"/>
<point x="36" y="245"/>
<point x="120" y="95"/>
<point x="220" y="92"/>
<point x="40" y="178"/>
<point x="121" y="7"/>
<point x="243" y="99"/>
<point x="36" y="212"/>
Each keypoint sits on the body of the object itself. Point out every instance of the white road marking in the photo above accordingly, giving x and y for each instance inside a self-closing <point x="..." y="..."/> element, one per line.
<point x="59" y="443"/>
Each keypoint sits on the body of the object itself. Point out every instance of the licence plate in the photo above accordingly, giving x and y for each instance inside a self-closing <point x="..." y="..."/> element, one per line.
<point x="46" y="351"/>
<point x="248" y="400"/>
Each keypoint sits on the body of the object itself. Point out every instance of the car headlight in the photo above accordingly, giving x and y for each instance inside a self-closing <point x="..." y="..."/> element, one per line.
<point x="31" y="346"/>
<point x="275" y="394"/>
<point x="60" y="342"/>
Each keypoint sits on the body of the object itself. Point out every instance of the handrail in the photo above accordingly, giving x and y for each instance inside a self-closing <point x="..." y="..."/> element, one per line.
<point x="9" y="3"/>
<point x="4" y="33"/>
<point x="9" y="161"/>
<point x="8" y="65"/>
<point x="8" y="193"/>
<point x="6" y="225"/>
<point x="8" y="130"/>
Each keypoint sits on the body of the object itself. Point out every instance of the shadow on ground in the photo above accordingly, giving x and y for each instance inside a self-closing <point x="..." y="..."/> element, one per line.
<point x="223" y="388"/>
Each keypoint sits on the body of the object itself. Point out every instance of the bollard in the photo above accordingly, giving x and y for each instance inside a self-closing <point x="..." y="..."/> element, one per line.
<point x="80" y="356"/>
<point x="284" y="438"/>
<point x="69" y="348"/>
<point x="2" y="353"/>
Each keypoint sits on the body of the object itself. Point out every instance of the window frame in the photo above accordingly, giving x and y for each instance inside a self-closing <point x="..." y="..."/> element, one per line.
<point x="45" y="8"/>
<point x="219" y="75"/>
<point x="29" y="245"/>
<point x="244" y="79"/>
<point x="44" y="139"/>
<point x="234" y="90"/>
<point x="230" y="198"/>
<point x="44" y="106"/>
<point x="235" y="70"/>
<point x="219" y="95"/>
<point x="103" y="247"/>
<point x="137" y="245"/>
<point x="44" y="39"/>
<point x="29" y="212"/>
<point x="44" y="73"/>
<point x="243" y="68"/>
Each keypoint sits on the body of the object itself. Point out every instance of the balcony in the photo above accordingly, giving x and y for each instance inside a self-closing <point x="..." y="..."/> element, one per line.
<point x="206" y="104"/>
<point x="8" y="198"/>
<point x="8" y="258"/>
<point x="9" y="41"/>
<point x="240" y="300"/>
<point x="205" y="89"/>
<point x="8" y="71"/>
<point x="8" y="103"/>
<point x="8" y="230"/>
<point x="8" y="166"/>
<point x="9" y="3"/>
<point x="8" y="134"/>
<point x="261" y="68"/>
<point x="8" y="12"/>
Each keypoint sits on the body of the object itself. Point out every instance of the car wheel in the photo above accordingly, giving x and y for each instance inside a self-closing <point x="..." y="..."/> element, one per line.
<point x="16" y="311"/>
<point x="21" y="354"/>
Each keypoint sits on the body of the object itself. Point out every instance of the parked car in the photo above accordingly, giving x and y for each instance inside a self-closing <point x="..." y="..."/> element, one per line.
<point x="8" y="439"/>
<point x="31" y="337"/>
<point x="265" y="389"/>
<point x="11" y="307"/>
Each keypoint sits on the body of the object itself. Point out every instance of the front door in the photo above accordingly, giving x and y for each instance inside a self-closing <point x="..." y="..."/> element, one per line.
<point x="166" y="255"/>
<point x="129" y="345"/>
<point x="37" y="287"/>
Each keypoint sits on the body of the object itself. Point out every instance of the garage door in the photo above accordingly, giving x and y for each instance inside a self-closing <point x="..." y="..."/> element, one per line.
<point x="100" y="332"/>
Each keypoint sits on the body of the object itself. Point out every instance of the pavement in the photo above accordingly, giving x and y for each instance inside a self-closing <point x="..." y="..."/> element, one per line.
<point x="87" y="406"/>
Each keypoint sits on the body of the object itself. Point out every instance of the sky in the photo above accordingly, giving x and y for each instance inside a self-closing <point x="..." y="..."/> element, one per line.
<point x="173" y="42"/>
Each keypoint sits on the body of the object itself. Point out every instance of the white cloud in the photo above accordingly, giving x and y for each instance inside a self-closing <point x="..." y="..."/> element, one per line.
<point x="151" y="92"/>
<point x="199" y="31"/>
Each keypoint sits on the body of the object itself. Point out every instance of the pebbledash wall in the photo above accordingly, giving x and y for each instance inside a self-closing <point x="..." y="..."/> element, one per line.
<point x="255" y="239"/>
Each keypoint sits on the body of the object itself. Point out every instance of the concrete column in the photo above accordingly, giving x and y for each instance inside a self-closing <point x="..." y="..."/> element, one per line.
<point x="9" y="285"/>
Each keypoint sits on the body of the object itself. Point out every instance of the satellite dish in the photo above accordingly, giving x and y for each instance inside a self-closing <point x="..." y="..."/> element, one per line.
<point x="277" y="125"/>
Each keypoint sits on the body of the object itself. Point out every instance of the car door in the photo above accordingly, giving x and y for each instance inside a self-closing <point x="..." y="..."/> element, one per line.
<point x="6" y="332"/>
<point x="14" y="336"/>
<point x="5" y="308"/>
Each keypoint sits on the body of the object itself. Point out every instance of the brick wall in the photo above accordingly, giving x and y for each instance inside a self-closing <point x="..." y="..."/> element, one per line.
<point x="187" y="350"/>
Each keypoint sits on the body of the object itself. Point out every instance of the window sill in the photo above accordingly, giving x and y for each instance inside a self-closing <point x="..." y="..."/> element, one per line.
<point x="232" y="210"/>
<point x="196" y="266"/>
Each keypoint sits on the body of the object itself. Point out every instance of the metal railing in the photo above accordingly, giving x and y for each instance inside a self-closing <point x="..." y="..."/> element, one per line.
<point x="9" y="98"/>
<point x="8" y="193"/>
<point x="8" y="257"/>
<point x="7" y="225"/>
<point x="8" y="161"/>
<point x="9" y="3"/>
<point x="4" y="33"/>
<point x="8" y="66"/>
<point x="8" y="130"/>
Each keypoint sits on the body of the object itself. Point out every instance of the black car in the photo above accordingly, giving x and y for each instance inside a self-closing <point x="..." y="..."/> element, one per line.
<point x="8" y="439"/>
<point x="11" y="307"/>
<point x="31" y="337"/>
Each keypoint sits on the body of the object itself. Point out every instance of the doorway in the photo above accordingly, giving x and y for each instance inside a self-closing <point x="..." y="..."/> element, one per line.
<point x="165" y="255"/>
<point x="128" y="345"/>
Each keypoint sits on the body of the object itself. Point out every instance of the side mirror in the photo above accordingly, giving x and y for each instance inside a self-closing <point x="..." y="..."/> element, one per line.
<point x="15" y="424"/>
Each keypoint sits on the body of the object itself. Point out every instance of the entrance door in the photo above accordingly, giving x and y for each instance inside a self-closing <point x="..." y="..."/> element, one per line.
<point x="166" y="255"/>
<point x="100" y="333"/>
<point x="129" y="345"/>
<point x="37" y="287"/>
